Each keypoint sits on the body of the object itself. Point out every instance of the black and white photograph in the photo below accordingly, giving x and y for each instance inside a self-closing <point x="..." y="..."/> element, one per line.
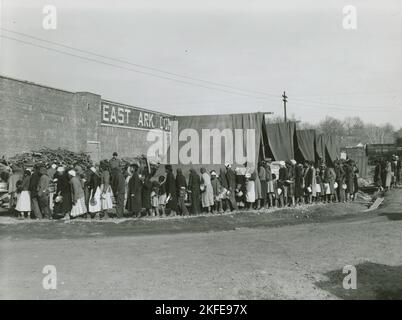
<point x="227" y="151"/>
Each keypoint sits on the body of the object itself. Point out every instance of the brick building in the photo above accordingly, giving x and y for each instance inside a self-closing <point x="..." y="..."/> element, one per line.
<point x="35" y="116"/>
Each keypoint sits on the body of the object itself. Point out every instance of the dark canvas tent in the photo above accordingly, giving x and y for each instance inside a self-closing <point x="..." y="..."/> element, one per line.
<point x="327" y="147"/>
<point x="281" y="138"/>
<point x="237" y="135"/>
<point x="305" y="145"/>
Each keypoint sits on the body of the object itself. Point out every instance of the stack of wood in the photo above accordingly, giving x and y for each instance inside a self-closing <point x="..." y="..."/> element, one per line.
<point x="47" y="156"/>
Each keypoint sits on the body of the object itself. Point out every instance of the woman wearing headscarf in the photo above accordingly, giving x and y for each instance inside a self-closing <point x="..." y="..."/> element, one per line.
<point x="78" y="197"/>
<point x="63" y="200"/>
<point x="194" y="183"/>
<point x="171" y="191"/>
<point x="250" y="176"/>
<point x="106" y="190"/>
<point x="23" y="198"/>
<point x="94" y="188"/>
<point x="181" y="187"/>
<point x="134" y="201"/>
<point x="207" y="194"/>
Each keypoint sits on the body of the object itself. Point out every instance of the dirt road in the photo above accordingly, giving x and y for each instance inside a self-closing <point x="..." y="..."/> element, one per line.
<point x="266" y="261"/>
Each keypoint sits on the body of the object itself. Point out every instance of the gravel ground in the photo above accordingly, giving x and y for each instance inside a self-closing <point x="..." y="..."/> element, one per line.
<point x="287" y="254"/>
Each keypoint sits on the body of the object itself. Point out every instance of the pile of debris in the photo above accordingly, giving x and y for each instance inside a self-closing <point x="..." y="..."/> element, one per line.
<point x="48" y="156"/>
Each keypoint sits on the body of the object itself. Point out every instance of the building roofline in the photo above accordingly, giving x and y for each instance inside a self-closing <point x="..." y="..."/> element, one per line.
<point x="35" y="84"/>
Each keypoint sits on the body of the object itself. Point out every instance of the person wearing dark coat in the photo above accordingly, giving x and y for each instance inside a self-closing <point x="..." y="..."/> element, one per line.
<point x="349" y="180"/>
<point x="224" y="185"/>
<point x="377" y="175"/>
<point x="63" y="189"/>
<point x="194" y="183"/>
<point x="262" y="175"/>
<point x="299" y="190"/>
<point x="120" y="194"/>
<point x="231" y="178"/>
<point x="33" y="189"/>
<point x="181" y="187"/>
<point x="146" y="194"/>
<point x="134" y="195"/>
<point x="171" y="191"/>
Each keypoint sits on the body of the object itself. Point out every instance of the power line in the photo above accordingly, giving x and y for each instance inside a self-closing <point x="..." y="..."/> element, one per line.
<point x="133" y="70"/>
<point x="244" y="92"/>
<point x="142" y="66"/>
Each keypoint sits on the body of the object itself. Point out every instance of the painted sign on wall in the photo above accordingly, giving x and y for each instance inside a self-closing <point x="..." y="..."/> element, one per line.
<point x="119" y="115"/>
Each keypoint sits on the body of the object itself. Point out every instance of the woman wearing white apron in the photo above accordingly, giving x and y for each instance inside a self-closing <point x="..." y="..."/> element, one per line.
<point x="94" y="193"/>
<point x="23" y="197"/>
<point x="78" y="196"/>
<point x="106" y="192"/>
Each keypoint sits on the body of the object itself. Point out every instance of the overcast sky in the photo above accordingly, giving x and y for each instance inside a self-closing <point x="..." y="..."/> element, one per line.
<point x="258" y="47"/>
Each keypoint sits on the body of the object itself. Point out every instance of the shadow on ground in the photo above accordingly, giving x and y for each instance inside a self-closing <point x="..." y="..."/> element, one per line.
<point x="374" y="282"/>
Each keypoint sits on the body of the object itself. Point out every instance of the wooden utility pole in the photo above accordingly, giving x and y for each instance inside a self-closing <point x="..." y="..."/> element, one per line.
<point x="284" y="104"/>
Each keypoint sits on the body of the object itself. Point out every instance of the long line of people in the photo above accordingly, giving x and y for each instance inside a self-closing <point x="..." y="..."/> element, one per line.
<point x="109" y="190"/>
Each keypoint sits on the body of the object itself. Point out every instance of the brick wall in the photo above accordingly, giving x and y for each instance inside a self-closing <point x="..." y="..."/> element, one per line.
<point x="35" y="116"/>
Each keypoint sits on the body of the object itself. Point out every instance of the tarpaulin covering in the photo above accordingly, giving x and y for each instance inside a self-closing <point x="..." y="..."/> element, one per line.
<point x="306" y="143"/>
<point x="327" y="147"/>
<point x="210" y="141"/>
<point x="281" y="140"/>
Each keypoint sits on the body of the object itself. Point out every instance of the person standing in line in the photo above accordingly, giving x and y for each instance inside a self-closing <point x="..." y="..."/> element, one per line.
<point x="171" y="192"/>
<point x="250" y="191"/>
<point x="162" y="195"/>
<point x="207" y="194"/>
<point x="63" y="200"/>
<point x="310" y="183"/>
<point x="194" y="184"/>
<point x="388" y="176"/>
<point x="155" y="199"/>
<point x="23" y="198"/>
<point x="223" y="181"/>
<point x="262" y="176"/>
<point x="115" y="167"/>
<point x="94" y="189"/>
<point x="291" y="167"/>
<point x="217" y="189"/>
<point x="134" y="201"/>
<point x="120" y="194"/>
<point x="355" y="179"/>
<point x="231" y="178"/>
<point x="78" y="197"/>
<point x="33" y="190"/>
<point x="12" y="186"/>
<point x="181" y="187"/>
<point x="349" y="180"/>
<point x="298" y="183"/>
<point x="257" y="187"/>
<point x="270" y="183"/>
<point x="282" y="183"/>
<point x="43" y="193"/>
<point x="146" y="194"/>
<point x="106" y="190"/>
